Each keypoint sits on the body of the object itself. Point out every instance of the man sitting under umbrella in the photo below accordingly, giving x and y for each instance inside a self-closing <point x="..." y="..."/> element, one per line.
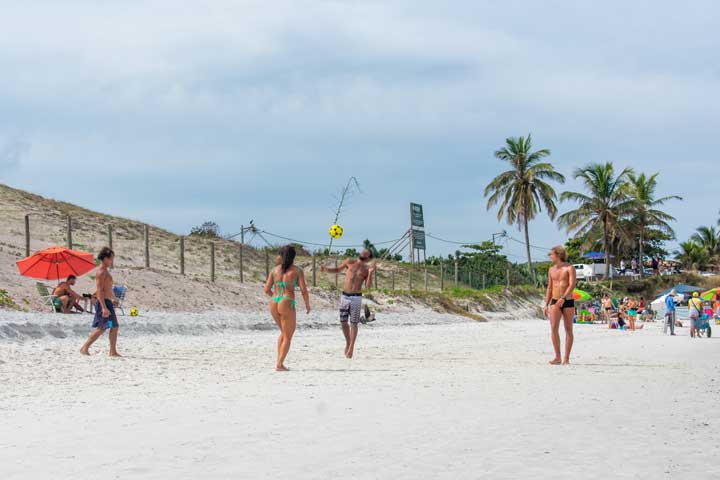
<point x="65" y="298"/>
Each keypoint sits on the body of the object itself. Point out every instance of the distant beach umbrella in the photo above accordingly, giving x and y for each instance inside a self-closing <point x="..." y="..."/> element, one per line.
<point x="581" y="295"/>
<point x="708" y="296"/>
<point x="55" y="263"/>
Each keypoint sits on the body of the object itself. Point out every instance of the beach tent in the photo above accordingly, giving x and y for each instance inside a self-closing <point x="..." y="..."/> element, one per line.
<point x="659" y="303"/>
<point x="683" y="289"/>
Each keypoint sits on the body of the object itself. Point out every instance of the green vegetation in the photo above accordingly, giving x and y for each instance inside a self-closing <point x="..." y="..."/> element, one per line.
<point x="523" y="190"/>
<point x="206" y="230"/>
<point x="6" y="301"/>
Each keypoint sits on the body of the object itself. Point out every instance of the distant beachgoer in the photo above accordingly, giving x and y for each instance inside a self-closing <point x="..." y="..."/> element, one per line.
<point x="695" y="309"/>
<point x="280" y="286"/>
<point x="622" y="267"/>
<point x="559" y="303"/>
<point x="670" y="312"/>
<point x="65" y="298"/>
<point x="632" y="313"/>
<point x="634" y="265"/>
<point x="105" y="318"/>
<point x="607" y="309"/>
<point x="655" y="266"/>
<point x="357" y="274"/>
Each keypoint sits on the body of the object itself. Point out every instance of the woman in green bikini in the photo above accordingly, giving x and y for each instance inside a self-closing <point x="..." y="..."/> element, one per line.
<point x="280" y="286"/>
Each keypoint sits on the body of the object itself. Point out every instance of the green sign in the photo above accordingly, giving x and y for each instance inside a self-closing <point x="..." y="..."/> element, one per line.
<point x="418" y="239"/>
<point x="416" y="215"/>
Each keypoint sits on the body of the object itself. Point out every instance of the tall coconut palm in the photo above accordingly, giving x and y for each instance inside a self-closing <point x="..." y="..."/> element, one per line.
<point x="599" y="212"/>
<point x="692" y="255"/>
<point x="709" y="239"/>
<point x="523" y="190"/>
<point x="645" y="213"/>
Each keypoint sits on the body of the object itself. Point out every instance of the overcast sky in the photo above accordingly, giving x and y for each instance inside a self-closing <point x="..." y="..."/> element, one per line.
<point x="239" y="110"/>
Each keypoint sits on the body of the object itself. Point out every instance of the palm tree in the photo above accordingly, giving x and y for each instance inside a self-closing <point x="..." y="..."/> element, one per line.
<point x="692" y="255"/>
<point x="599" y="212"/>
<point x="645" y="212"/>
<point x="523" y="190"/>
<point x="709" y="240"/>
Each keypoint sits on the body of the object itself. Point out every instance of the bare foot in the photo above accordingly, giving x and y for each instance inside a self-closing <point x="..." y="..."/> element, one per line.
<point x="84" y="351"/>
<point x="554" y="361"/>
<point x="282" y="368"/>
<point x="566" y="362"/>
<point x="114" y="354"/>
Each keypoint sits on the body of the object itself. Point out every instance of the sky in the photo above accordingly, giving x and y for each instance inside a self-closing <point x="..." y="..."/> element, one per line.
<point x="174" y="113"/>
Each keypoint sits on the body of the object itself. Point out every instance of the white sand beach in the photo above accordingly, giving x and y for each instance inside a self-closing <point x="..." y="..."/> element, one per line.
<point x="440" y="397"/>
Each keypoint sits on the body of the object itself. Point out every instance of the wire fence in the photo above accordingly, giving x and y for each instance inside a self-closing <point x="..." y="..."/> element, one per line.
<point x="139" y="246"/>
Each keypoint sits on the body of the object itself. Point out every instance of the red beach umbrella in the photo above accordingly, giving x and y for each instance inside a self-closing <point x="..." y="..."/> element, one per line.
<point x="55" y="263"/>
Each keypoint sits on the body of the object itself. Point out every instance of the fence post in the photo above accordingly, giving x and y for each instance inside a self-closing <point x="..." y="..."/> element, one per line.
<point x="182" y="255"/>
<point x="426" y="278"/>
<point x="336" y="273"/>
<point x="212" y="261"/>
<point x="267" y="262"/>
<point x="147" y="246"/>
<point x="242" y="244"/>
<point x="69" y="232"/>
<point x="27" y="235"/>
<point x="393" y="280"/>
<point x="484" y="281"/>
<point x="375" y="276"/>
<point x="442" y="275"/>
<point x="507" y="277"/>
<point x="314" y="268"/>
<point x="410" y="270"/>
<point x="110" y="237"/>
<point x="457" y="278"/>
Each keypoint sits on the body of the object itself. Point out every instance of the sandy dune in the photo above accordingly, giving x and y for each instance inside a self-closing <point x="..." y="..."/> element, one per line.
<point x="438" y="397"/>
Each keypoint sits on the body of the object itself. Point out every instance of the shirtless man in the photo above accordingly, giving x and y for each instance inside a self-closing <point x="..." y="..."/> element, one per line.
<point x="105" y="317"/>
<point x="65" y="297"/>
<point x="559" y="302"/>
<point x="357" y="273"/>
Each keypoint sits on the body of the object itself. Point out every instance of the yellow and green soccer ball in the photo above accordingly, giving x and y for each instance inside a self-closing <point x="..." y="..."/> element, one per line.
<point x="336" y="231"/>
<point x="134" y="312"/>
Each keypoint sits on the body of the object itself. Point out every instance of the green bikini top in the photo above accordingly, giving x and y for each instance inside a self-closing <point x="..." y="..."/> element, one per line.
<point x="282" y="285"/>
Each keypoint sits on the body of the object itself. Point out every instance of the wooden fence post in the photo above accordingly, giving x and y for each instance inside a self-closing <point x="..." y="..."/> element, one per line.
<point x="410" y="270"/>
<point x="182" y="255"/>
<point x="147" y="246"/>
<point x="426" y="278"/>
<point x="507" y="277"/>
<point x="69" y="233"/>
<point x="212" y="261"/>
<point x="393" y="280"/>
<point x="314" y="268"/>
<point x="110" y="243"/>
<point x="242" y="245"/>
<point x="457" y="278"/>
<point x="375" y="279"/>
<point x="27" y="235"/>
<point x="442" y="275"/>
<point x="267" y="262"/>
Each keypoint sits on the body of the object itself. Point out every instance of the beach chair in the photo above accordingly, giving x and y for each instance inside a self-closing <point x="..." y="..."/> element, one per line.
<point x="119" y="291"/>
<point x="46" y="297"/>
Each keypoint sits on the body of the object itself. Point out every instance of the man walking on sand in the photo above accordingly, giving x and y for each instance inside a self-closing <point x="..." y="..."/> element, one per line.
<point x="105" y="317"/>
<point x="357" y="274"/>
<point x="559" y="302"/>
